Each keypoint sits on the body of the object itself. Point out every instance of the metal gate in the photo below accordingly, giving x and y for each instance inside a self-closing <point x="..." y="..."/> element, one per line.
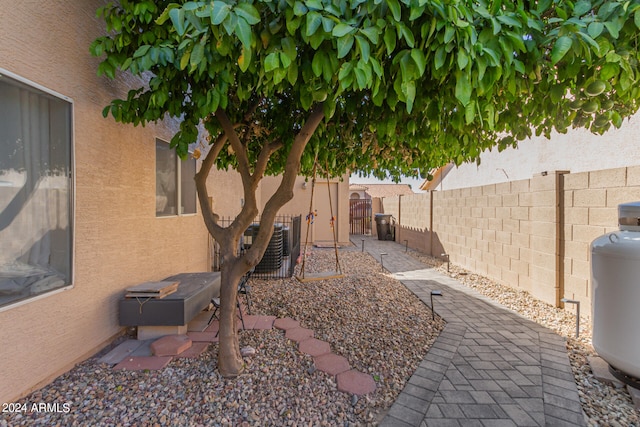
<point x="360" y="216"/>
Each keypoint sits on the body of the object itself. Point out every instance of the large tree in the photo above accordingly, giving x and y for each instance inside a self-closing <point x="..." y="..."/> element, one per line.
<point x="387" y="87"/>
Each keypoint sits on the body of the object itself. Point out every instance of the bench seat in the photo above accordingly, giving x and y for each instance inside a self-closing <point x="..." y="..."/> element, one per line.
<point x="193" y="295"/>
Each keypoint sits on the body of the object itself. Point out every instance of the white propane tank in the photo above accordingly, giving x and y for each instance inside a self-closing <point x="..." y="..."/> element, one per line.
<point x="615" y="283"/>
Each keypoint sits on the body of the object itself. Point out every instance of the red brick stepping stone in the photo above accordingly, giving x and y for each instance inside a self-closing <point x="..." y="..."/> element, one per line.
<point x="195" y="350"/>
<point x="170" y="345"/>
<point x="250" y="321"/>
<point x="314" y="347"/>
<point x="299" y="334"/>
<point x="141" y="363"/>
<point x="286" y="323"/>
<point x="331" y="363"/>
<point x="213" y="327"/>
<point x="264" y="322"/>
<point x="355" y="382"/>
<point x="203" y="336"/>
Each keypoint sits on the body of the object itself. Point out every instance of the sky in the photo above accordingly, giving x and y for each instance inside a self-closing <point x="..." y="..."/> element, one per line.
<point x="413" y="182"/>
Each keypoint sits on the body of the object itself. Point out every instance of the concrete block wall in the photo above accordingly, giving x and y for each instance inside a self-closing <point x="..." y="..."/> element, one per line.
<point x="591" y="202"/>
<point x="530" y="234"/>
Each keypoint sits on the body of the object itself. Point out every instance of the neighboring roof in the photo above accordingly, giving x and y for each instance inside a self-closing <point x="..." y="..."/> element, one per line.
<point x="382" y="190"/>
<point x="357" y="187"/>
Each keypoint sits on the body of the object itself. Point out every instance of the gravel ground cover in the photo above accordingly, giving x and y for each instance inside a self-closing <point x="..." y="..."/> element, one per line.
<point x="367" y="317"/>
<point x="604" y="404"/>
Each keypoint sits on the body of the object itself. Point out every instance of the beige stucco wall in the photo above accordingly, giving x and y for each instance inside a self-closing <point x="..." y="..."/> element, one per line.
<point x="118" y="240"/>
<point x="299" y="205"/>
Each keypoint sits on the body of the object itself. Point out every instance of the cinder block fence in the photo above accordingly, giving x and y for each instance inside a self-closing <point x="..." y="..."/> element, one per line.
<point x="531" y="234"/>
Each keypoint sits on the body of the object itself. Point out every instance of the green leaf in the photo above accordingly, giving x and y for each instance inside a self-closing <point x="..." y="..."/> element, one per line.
<point x="219" y="12"/>
<point x="245" y="59"/>
<point x="636" y="18"/>
<point x="613" y="28"/>
<point x="271" y="62"/>
<point x="371" y="33"/>
<point x="556" y="93"/>
<point x="449" y="32"/>
<point x="316" y="64"/>
<point x="463" y="88"/>
<point x="609" y="70"/>
<point x="243" y="31"/>
<point x="341" y="30"/>
<point x="314" y="4"/>
<point x="141" y="51"/>
<point x="364" y="47"/>
<point x="289" y="47"/>
<point x="184" y="61"/>
<point x="463" y="59"/>
<point x="508" y="20"/>
<point x="421" y="62"/>
<point x="248" y="12"/>
<point x="441" y="56"/>
<point x="344" y="45"/>
<point x="177" y="19"/>
<point x="196" y="55"/>
<point x="299" y="9"/>
<point x="394" y="6"/>
<point x="470" y="112"/>
<point x="409" y="91"/>
<point x="314" y="20"/>
<point x="164" y="16"/>
<point x="581" y="7"/>
<point x="390" y="40"/>
<point x="560" y="49"/>
<point x="595" y="29"/>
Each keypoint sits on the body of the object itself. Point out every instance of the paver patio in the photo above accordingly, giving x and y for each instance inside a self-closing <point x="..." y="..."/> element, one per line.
<point x="489" y="366"/>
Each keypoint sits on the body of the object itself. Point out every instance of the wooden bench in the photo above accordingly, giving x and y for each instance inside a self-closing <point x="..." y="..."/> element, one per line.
<point x="156" y="317"/>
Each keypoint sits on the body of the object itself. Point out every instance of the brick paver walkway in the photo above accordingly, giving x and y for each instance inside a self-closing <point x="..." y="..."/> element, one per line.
<point x="489" y="367"/>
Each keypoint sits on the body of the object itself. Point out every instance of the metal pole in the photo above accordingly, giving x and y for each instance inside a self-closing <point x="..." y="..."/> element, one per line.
<point x="577" y="304"/>
<point x="433" y="312"/>
<point x="381" y="263"/>
<point x="447" y="257"/>
<point x="406" y="246"/>
<point x="362" y="245"/>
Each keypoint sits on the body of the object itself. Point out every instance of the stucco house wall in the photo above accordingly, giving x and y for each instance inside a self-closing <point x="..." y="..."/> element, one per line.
<point x="118" y="240"/>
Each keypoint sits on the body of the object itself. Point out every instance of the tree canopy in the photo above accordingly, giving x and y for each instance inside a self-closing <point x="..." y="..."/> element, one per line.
<point x="403" y="84"/>
<point x="382" y="87"/>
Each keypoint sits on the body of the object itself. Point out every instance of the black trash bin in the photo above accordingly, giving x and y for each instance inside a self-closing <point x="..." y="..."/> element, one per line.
<point x="383" y="226"/>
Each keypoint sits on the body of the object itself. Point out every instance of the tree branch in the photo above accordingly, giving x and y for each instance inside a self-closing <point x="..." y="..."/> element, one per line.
<point x="284" y="192"/>
<point x="263" y="160"/>
<point x="210" y="218"/>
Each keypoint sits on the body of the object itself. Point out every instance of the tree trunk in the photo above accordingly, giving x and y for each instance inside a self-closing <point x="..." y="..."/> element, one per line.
<point x="230" y="362"/>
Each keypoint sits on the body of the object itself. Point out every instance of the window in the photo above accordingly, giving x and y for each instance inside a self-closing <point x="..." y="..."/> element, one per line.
<point x="35" y="191"/>
<point x="175" y="184"/>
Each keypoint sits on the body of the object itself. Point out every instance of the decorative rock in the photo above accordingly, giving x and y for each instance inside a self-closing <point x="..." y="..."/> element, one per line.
<point x="299" y="334"/>
<point x="314" y="347"/>
<point x="331" y="363"/>
<point x="355" y="382"/>
<point x="170" y="345"/>
<point x="286" y="323"/>
<point x="247" y="351"/>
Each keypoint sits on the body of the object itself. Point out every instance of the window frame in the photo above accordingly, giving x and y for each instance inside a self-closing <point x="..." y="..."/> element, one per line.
<point x="72" y="189"/>
<point x="178" y="172"/>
